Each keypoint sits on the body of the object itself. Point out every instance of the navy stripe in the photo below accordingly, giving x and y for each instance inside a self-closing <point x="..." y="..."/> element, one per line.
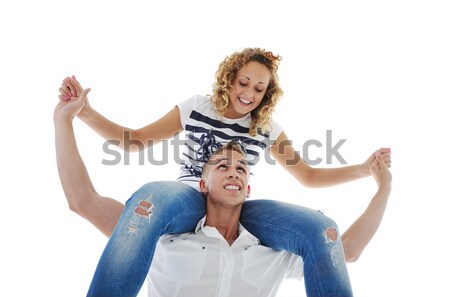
<point x="224" y="136"/>
<point x="193" y="161"/>
<point x="196" y="162"/>
<point x="193" y="138"/>
<point x="217" y="124"/>
<point x="190" y="148"/>
<point x="187" y="176"/>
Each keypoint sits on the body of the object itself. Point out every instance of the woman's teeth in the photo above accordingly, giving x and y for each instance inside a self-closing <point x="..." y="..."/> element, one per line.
<point x="244" y="101"/>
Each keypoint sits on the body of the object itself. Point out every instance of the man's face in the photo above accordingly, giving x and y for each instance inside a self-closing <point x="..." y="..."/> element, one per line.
<point x="226" y="182"/>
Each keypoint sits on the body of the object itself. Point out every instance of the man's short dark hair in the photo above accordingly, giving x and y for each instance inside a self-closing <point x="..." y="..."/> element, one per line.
<point x="232" y="146"/>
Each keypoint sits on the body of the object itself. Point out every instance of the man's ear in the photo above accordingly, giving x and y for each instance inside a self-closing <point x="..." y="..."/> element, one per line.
<point x="203" y="186"/>
<point x="248" y="191"/>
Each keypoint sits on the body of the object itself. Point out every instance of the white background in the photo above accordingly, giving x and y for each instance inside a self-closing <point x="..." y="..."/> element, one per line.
<point x="376" y="73"/>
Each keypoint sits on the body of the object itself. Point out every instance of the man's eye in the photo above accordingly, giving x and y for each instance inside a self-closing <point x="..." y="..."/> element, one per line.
<point x="222" y="166"/>
<point x="241" y="169"/>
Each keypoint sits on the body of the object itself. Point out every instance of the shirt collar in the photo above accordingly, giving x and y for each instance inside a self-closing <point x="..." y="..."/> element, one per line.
<point x="245" y="238"/>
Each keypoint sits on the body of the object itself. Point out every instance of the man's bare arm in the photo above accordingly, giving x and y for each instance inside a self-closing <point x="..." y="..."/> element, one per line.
<point x="80" y="193"/>
<point x="359" y="234"/>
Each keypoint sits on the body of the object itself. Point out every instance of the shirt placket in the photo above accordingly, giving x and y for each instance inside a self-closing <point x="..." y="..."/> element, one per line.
<point x="227" y="270"/>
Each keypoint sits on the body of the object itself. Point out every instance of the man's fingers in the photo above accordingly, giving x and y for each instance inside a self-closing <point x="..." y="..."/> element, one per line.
<point x="385" y="150"/>
<point x="385" y="155"/>
<point x="84" y="93"/>
<point x="76" y="84"/>
<point x="381" y="161"/>
<point x="375" y="163"/>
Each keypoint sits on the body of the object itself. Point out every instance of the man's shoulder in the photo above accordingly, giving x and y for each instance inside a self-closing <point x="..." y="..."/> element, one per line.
<point x="174" y="237"/>
<point x="182" y="239"/>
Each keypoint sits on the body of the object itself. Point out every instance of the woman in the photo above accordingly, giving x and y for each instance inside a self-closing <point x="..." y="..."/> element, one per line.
<point x="244" y="96"/>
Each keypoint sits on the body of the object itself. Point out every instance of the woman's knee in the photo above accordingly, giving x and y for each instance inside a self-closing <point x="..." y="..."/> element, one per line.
<point x="164" y="197"/>
<point x="297" y="220"/>
<point x="324" y="227"/>
<point x="151" y="193"/>
<point x="172" y="207"/>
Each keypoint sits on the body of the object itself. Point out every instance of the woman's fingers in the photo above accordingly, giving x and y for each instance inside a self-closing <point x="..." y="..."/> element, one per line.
<point x="71" y="87"/>
<point x="76" y="85"/>
<point x="65" y="94"/>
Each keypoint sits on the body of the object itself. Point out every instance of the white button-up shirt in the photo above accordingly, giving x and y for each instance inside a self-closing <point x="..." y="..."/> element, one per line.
<point x="202" y="263"/>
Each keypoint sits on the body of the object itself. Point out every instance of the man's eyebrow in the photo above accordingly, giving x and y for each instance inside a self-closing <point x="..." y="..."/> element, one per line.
<point x="219" y="160"/>
<point x="242" y="161"/>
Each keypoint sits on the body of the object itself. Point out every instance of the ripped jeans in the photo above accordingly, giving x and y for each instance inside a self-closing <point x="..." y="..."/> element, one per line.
<point x="160" y="208"/>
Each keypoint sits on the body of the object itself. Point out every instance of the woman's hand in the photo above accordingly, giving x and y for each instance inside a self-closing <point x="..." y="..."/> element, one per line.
<point x="380" y="171"/>
<point x="385" y="154"/>
<point x="71" y="88"/>
<point x="67" y="109"/>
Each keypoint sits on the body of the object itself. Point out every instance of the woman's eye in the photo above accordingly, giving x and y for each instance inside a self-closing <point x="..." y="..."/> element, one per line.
<point x="242" y="84"/>
<point x="259" y="91"/>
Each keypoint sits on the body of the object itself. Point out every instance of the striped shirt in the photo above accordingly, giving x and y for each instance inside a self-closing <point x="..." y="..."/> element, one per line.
<point x="206" y="132"/>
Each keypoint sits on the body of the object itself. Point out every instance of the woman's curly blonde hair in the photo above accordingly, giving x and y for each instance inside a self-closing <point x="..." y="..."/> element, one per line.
<point x="226" y="74"/>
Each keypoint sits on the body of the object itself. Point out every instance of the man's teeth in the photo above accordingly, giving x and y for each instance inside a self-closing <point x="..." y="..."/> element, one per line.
<point x="244" y="101"/>
<point x="231" y="187"/>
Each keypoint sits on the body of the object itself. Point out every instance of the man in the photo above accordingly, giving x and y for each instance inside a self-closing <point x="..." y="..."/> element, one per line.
<point x="220" y="258"/>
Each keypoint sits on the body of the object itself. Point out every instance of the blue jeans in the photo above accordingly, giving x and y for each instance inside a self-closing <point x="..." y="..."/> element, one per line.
<point x="160" y="208"/>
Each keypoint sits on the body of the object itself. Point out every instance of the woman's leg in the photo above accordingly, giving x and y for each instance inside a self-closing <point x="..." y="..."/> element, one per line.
<point x="304" y="232"/>
<point x="155" y="209"/>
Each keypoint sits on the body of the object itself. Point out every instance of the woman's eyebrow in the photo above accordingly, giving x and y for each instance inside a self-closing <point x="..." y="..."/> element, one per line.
<point x="261" y="82"/>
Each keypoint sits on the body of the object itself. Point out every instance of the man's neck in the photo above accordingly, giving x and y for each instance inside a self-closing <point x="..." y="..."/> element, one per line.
<point x="225" y="220"/>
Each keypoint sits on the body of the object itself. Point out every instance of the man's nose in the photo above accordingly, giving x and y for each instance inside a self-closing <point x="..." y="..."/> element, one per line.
<point x="233" y="174"/>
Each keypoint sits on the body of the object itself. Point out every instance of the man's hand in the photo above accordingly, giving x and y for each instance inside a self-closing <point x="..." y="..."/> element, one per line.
<point x="385" y="154"/>
<point x="380" y="171"/>
<point x="72" y="88"/>
<point x="69" y="108"/>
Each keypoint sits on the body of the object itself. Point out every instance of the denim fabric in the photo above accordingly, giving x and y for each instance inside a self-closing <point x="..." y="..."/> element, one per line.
<point x="302" y="231"/>
<point x="159" y="208"/>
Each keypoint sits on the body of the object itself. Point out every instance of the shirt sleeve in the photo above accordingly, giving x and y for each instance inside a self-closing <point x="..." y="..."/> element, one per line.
<point x="186" y="107"/>
<point x="294" y="265"/>
<point x="276" y="130"/>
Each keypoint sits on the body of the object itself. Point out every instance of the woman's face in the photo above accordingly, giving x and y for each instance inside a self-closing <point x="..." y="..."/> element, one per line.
<point x="248" y="89"/>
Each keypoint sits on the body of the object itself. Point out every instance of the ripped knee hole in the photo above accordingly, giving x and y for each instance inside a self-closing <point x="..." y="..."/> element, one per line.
<point x="330" y="234"/>
<point x="144" y="209"/>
